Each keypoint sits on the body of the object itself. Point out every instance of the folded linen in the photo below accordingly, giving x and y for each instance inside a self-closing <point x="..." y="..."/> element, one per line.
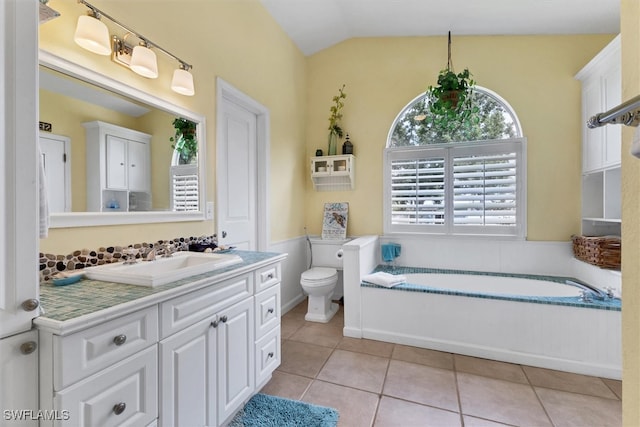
<point x="385" y="279"/>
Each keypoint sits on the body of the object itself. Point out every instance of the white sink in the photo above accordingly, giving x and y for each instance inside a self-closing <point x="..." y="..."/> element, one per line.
<point x="181" y="265"/>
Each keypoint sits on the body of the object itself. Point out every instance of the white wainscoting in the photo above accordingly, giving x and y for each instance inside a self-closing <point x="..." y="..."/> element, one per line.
<point x="292" y="267"/>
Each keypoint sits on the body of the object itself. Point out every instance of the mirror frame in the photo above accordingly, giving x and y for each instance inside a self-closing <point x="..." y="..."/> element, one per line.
<point x="89" y="219"/>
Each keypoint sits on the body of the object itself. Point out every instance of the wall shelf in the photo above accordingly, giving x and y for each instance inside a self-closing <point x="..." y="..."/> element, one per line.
<point x="333" y="173"/>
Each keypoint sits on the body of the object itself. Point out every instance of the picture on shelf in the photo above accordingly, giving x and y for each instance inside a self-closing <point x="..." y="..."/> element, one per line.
<point x="334" y="221"/>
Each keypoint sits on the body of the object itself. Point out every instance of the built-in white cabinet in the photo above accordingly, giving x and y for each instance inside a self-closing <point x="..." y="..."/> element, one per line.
<point x="189" y="359"/>
<point x="333" y="173"/>
<point x="601" y="81"/>
<point x="119" y="159"/>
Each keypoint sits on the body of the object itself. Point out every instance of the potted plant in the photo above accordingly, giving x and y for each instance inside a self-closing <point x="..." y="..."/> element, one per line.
<point x="450" y="101"/>
<point x="335" y="131"/>
<point x="184" y="140"/>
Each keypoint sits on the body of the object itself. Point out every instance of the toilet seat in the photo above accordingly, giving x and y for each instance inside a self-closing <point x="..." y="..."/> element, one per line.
<point x="319" y="276"/>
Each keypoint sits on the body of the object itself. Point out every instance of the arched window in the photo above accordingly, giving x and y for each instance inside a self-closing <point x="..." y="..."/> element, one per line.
<point x="456" y="178"/>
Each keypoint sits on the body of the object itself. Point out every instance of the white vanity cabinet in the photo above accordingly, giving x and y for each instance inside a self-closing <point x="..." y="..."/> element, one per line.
<point x="120" y="159"/>
<point x="601" y="81"/>
<point x="191" y="358"/>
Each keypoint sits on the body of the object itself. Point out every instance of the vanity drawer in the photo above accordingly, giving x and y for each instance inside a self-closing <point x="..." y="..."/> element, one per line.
<point x="183" y="311"/>
<point x="267" y="310"/>
<point x="123" y="394"/>
<point x="267" y="355"/>
<point x="268" y="276"/>
<point x="86" y="352"/>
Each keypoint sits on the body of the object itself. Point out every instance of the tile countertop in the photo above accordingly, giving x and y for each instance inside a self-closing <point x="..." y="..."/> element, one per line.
<point x="88" y="302"/>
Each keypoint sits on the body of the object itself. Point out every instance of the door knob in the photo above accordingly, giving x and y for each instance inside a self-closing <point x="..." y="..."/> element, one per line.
<point x="30" y="304"/>
<point x="28" y="347"/>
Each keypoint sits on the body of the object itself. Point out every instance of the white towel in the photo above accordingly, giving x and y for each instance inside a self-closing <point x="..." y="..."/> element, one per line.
<point x="384" y="279"/>
<point x="43" y="211"/>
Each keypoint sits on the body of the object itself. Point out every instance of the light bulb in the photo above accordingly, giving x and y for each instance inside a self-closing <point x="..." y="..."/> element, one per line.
<point x="93" y="35"/>
<point x="182" y="82"/>
<point x="144" y="62"/>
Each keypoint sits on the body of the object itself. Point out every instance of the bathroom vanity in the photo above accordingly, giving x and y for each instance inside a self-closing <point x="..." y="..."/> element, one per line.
<point x="187" y="353"/>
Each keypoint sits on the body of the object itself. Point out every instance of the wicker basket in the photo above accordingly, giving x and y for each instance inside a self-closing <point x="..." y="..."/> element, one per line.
<point x="603" y="251"/>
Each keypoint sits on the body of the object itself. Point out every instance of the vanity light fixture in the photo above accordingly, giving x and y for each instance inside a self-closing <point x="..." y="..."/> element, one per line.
<point x="141" y="58"/>
<point x="92" y="34"/>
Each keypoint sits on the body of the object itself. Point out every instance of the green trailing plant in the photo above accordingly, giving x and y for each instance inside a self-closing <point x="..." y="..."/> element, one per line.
<point x="451" y="100"/>
<point x="185" y="141"/>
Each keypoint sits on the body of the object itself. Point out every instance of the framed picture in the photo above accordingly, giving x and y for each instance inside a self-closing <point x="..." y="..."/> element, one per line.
<point x="334" y="221"/>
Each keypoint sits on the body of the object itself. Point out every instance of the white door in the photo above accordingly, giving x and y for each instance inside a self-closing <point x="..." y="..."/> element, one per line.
<point x="116" y="161"/>
<point x="55" y="157"/>
<point x="188" y="376"/>
<point x="236" y="366"/>
<point x="19" y="373"/>
<point x="237" y="177"/>
<point x="18" y="163"/>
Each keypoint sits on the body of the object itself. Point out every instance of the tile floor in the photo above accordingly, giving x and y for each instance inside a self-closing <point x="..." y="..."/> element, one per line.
<point x="373" y="383"/>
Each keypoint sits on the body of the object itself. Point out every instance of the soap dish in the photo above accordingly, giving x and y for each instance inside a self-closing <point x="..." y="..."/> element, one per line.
<point x="67" y="278"/>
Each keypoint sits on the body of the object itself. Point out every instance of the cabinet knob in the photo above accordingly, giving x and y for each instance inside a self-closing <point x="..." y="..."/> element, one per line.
<point x="214" y="324"/>
<point x="28" y="347"/>
<point x="120" y="339"/>
<point x="270" y="276"/>
<point x="133" y="165"/>
<point x="270" y="355"/>
<point x="30" y="304"/>
<point x="119" y="408"/>
<point x="223" y="319"/>
<point x="270" y="310"/>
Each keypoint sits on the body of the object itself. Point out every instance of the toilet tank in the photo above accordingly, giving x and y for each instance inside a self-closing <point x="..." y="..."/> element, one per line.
<point x="325" y="252"/>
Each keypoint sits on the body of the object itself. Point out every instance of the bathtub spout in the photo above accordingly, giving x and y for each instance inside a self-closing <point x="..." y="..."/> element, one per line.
<point x="588" y="289"/>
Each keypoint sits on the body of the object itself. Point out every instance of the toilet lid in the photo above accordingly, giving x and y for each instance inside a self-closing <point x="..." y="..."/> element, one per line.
<point x="319" y="273"/>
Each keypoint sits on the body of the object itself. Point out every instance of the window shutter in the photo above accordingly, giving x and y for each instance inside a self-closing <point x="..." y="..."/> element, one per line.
<point x="184" y="188"/>
<point x="484" y="189"/>
<point x="417" y="191"/>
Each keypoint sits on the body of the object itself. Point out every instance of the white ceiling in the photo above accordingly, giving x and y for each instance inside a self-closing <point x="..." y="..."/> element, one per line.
<point x="317" y="24"/>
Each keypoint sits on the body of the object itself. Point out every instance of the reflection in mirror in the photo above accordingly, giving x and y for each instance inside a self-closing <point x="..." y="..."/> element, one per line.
<point x="118" y="159"/>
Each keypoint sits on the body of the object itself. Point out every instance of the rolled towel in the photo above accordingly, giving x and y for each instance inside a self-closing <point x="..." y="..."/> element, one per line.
<point x="384" y="279"/>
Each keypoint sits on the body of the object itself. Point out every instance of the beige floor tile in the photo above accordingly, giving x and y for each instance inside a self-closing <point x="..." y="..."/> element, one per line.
<point x="478" y="422"/>
<point x="490" y="368"/>
<point x="357" y="370"/>
<point x="421" y="384"/>
<point x="286" y="385"/>
<point x="396" y="413"/>
<point x="302" y="358"/>
<point x="356" y="407"/>
<point x="571" y="409"/>
<point x="500" y="401"/>
<point x="423" y="356"/>
<point x="615" y="386"/>
<point x="289" y="325"/>
<point x="375" y="348"/>
<point x="566" y="381"/>
<point x="318" y="334"/>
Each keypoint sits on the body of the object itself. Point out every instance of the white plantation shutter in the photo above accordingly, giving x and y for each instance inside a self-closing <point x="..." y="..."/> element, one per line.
<point x="457" y="188"/>
<point x="184" y="188"/>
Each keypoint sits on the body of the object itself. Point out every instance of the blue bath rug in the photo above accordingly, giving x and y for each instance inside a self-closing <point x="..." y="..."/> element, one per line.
<point x="263" y="410"/>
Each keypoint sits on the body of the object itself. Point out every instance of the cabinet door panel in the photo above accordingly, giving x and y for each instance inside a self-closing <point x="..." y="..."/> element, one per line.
<point x="188" y="377"/>
<point x="137" y="166"/>
<point x="235" y="358"/>
<point x="612" y="94"/>
<point x="116" y="162"/>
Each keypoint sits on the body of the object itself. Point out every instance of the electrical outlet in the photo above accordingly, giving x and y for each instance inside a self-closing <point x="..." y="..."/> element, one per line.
<point x="209" y="211"/>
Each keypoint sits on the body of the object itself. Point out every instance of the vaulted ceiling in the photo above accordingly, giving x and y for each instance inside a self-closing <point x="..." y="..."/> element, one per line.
<point x="317" y="24"/>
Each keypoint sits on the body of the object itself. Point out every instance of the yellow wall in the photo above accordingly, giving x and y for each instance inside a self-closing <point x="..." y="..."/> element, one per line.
<point x="534" y="74"/>
<point x="235" y="40"/>
<point x="630" y="29"/>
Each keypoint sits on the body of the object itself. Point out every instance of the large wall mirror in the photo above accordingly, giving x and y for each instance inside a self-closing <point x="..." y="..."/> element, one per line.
<point x="109" y="151"/>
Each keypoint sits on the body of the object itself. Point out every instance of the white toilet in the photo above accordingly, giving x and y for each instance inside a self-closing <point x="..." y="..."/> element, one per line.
<point x="320" y="280"/>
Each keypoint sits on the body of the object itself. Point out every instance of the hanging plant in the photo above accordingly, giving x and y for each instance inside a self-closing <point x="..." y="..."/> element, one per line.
<point x="450" y="101"/>
<point x="184" y="140"/>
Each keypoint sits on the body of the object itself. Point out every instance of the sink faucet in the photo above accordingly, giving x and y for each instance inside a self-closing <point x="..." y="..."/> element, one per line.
<point x="164" y="250"/>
